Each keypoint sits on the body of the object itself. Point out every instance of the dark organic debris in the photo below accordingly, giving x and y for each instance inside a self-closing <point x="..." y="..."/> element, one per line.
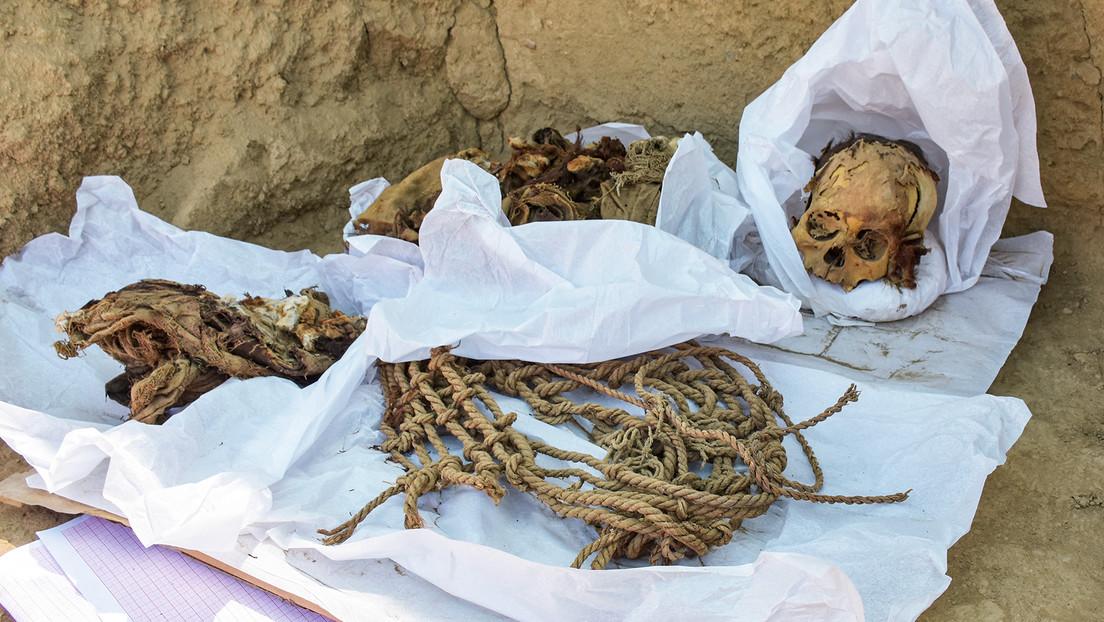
<point x="547" y="178"/>
<point x="179" y="341"/>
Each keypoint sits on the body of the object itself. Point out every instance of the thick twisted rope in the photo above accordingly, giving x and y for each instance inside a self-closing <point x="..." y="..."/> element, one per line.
<point x="679" y="480"/>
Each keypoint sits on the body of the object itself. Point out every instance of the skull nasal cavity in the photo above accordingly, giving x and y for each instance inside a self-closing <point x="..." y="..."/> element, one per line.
<point x="834" y="257"/>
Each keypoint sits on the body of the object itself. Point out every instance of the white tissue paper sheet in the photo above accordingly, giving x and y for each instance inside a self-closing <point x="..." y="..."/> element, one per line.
<point x="944" y="74"/>
<point x="563" y="291"/>
<point x="940" y="349"/>
<point x="250" y="471"/>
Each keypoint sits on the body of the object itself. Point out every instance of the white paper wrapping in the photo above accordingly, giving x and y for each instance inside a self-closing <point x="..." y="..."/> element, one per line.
<point x="562" y="291"/>
<point x="944" y="74"/>
<point x="264" y="462"/>
<point x="578" y="291"/>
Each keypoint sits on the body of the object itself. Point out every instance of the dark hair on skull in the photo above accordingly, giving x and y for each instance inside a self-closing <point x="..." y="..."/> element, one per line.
<point x="832" y="148"/>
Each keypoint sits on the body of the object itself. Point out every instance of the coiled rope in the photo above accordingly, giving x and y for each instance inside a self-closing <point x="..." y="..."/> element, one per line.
<point x="679" y="480"/>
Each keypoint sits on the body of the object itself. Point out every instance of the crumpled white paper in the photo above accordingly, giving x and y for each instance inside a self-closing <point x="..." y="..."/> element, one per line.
<point x="949" y="350"/>
<point x="265" y="460"/>
<point x="564" y="291"/>
<point x="943" y="74"/>
<point x="164" y="478"/>
<point x="894" y="439"/>
<point x="561" y="291"/>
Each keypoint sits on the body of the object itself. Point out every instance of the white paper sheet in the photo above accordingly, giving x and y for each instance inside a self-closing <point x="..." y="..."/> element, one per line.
<point x="574" y="291"/>
<point x="33" y="588"/>
<point x="943" y="74"/>
<point x="254" y="455"/>
<point x="92" y="569"/>
<point x="942" y="341"/>
<point x="561" y="291"/>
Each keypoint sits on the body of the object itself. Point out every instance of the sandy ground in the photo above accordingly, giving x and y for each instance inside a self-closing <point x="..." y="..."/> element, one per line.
<point x="244" y="152"/>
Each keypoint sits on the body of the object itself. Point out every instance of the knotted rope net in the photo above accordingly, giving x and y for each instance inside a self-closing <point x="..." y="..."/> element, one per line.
<point x="677" y="481"/>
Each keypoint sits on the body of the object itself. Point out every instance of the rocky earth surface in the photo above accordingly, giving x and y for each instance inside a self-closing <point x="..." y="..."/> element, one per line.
<point x="252" y="121"/>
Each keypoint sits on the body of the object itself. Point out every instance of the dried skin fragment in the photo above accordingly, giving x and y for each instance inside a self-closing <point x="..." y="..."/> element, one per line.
<point x="549" y="159"/>
<point x="178" y="341"/>
<point x="530" y="160"/>
<point x="869" y="202"/>
<point x="604" y="159"/>
<point x="583" y="164"/>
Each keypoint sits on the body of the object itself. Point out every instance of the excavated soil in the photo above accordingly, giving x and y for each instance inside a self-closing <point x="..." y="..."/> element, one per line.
<point x="252" y="121"/>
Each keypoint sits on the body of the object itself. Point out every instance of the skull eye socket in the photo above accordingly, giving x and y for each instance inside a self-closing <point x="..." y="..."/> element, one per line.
<point x="871" y="245"/>
<point x="819" y="230"/>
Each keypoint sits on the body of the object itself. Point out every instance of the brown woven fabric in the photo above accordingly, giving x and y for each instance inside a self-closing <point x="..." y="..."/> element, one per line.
<point x="677" y="481"/>
<point x="178" y="341"/>
<point x="633" y="194"/>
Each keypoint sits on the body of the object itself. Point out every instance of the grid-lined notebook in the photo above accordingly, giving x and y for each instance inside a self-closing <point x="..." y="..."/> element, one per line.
<point x="94" y="569"/>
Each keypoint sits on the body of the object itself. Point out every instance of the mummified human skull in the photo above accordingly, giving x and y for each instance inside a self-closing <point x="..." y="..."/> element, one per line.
<point x="869" y="202"/>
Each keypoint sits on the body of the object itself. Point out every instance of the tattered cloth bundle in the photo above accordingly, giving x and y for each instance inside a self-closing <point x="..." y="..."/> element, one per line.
<point x="673" y="482"/>
<point x="633" y="194"/>
<point x="180" y="341"/>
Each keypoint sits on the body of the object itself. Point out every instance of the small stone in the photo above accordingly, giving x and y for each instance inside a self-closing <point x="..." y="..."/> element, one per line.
<point x="1085" y="501"/>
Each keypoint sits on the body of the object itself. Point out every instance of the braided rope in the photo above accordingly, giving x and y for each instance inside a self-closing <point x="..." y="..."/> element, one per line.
<point x="679" y="480"/>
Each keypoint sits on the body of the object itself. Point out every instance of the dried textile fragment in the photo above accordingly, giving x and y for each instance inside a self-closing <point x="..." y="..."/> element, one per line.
<point x="179" y="341"/>
<point x="540" y="203"/>
<point x="677" y="481"/>
<point x="633" y="194"/>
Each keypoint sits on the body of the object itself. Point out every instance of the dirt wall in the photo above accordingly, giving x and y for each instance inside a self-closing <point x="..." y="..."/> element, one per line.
<point x="253" y="121"/>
